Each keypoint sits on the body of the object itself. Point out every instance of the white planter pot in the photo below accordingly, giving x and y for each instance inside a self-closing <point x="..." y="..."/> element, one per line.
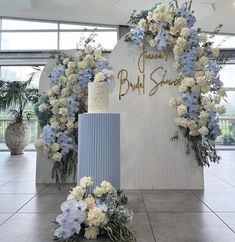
<point x="17" y="137"/>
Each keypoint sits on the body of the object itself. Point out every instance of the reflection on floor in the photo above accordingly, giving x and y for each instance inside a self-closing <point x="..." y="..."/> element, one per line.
<point x="26" y="209"/>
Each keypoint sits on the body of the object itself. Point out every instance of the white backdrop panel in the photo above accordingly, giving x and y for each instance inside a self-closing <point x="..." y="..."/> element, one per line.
<point x="149" y="159"/>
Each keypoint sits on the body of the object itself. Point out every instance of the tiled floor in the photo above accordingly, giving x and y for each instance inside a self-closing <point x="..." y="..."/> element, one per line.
<point x="26" y="209"/>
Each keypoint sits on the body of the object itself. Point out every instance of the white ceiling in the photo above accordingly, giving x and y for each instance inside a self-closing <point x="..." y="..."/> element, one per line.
<point x="209" y="13"/>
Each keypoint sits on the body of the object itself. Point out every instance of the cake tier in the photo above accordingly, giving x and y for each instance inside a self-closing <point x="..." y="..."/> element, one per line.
<point x="98" y="97"/>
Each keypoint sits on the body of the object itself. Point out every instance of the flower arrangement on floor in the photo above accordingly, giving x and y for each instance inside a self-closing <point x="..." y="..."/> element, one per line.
<point x="58" y="109"/>
<point x="90" y="213"/>
<point x="169" y="28"/>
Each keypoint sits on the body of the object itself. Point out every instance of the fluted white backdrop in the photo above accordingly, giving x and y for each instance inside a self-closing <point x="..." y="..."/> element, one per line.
<point x="149" y="159"/>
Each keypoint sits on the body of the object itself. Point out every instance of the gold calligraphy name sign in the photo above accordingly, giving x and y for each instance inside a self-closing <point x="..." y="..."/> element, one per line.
<point x="126" y="85"/>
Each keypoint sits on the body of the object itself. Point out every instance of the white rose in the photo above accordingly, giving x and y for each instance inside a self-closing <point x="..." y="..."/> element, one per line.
<point x="42" y="107"/>
<point x="203" y="131"/>
<point x="55" y="147"/>
<point x="185" y="32"/>
<point x="71" y="65"/>
<point x="57" y="156"/>
<point x="215" y="52"/>
<point x="63" y="111"/>
<point x="217" y="99"/>
<point x="62" y="79"/>
<point x="210" y="106"/>
<point x="152" y="42"/>
<point x="153" y="27"/>
<point x="39" y="144"/>
<point x="222" y="92"/>
<point x="77" y="192"/>
<point x="91" y="232"/>
<point x="56" y="89"/>
<point x="81" y="65"/>
<point x="181" y="110"/>
<point x="65" y="92"/>
<point x="99" y="77"/>
<point x="182" y="88"/>
<point x="86" y="182"/>
<point x="188" y="81"/>
<point x="183" y="122"/>
<point x="72" y="78"/>
<point x="200" y="51"/>
<point x="99" y="191"/>
<point x="196" y="88"/>
<point x="95" y="217"/>
<point x="205" y="99"/>
<point x="221" y="110"/>
<point x="203" y="37"/>
<point x="107" y="186"/>
<point x="88" y="49"/>
<point x="172" y="102"/>
<point x="66" y="61"/>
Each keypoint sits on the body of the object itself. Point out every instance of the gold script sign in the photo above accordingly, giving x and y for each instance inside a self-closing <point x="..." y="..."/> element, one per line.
<point x="126" y="85"/>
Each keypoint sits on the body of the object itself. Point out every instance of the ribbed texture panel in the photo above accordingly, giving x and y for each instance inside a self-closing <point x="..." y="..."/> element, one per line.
<point x="99" y="147"/>
<point x="148" y="157"/>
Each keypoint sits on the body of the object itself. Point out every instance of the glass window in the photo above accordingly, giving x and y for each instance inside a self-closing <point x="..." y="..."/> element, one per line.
<point x="29" y="41"/>
<point x="227" y="75"/>
<point x="81" y="27"/>
<point x="229" y="104"/>
<point x="9" y="24"/>
<point x="20" y="73"/>
<point x="224" y="41"/>
<point x="70" y="40"/>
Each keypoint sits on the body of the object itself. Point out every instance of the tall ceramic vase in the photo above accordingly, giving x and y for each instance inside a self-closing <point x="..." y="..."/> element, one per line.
<point x="17" y="137"/>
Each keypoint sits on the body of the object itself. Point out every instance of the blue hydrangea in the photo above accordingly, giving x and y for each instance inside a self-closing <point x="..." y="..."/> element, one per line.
<point x="49" y="134"/>
<point x="163" y="38"/>
<point x="213" y="126"/>
<point x="216" y="82"/>
<point x="184" y="12"/>
<point x="191" y="102"/>
<point x="102" y="64"/>
<point x="84" y="77"/>
<point x="73" y="105"/>
<point x="213" y="66"/>
<point x="65" y="142"/>
<point x="193" y="38"/>
<point x="137" y="35"/>
<point x="56" y="73"/>
<point x="188" y="62"/>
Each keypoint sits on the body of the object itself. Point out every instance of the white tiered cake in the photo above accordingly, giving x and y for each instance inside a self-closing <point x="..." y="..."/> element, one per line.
<point x="98" y="97"/>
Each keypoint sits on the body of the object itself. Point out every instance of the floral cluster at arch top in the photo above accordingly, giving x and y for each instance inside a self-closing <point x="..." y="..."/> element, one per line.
<point x="170" y="28"/>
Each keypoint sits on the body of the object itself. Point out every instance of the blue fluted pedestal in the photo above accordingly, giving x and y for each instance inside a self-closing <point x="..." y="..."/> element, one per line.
<point x="99" y="147"/>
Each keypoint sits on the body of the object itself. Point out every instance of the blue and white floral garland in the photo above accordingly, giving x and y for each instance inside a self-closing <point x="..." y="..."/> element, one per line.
<point x="91" y="212"/>
<point x="170" y="28"/>
<point x="58" y="109"/>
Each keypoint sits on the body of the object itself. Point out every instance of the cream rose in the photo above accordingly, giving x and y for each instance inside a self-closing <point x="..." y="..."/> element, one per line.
<point x="181" y="110"/>
<point x="77" y="192"/>
<point x="91" y="232"/>
<point x="203" y="131"/>
<point x="57" y="156"/>
<point x="86" y="181"/>
<point x="95" y="217"/>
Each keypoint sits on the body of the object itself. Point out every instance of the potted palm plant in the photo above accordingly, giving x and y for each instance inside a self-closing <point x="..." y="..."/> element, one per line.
<point x="14" y="96"/>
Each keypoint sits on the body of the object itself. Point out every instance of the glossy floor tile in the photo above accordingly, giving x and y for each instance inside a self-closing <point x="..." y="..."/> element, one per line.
<point x="173" y="201"/>
<point x="26" y="209"/>
<point x="190" y="227"/>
